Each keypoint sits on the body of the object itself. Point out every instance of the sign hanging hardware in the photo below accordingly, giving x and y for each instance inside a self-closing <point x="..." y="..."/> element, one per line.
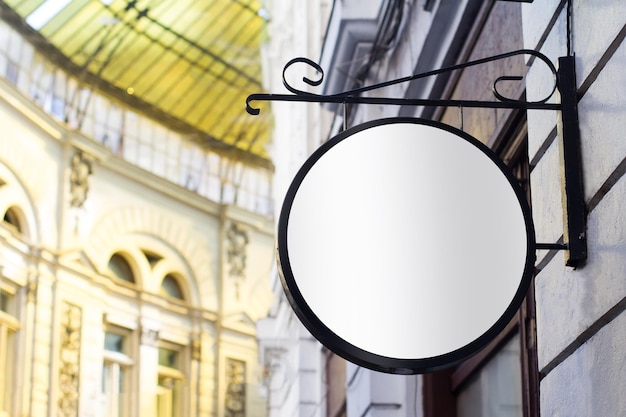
<point x="574" y="236"/>
<point x="371" y="213"/>
<point x="354" y="96"/>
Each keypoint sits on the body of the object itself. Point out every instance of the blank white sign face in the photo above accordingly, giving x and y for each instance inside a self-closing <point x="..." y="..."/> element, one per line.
<point x="405" y="245"/>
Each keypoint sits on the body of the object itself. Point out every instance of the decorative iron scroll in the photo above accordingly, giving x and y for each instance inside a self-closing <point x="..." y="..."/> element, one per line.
<point x="354" y="96"/>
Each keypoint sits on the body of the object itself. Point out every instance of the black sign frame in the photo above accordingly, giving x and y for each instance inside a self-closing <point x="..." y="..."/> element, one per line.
<point x="354" y="353"/>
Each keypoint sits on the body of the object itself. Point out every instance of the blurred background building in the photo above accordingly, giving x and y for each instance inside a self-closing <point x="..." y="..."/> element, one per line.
<point x="136" y="201"/>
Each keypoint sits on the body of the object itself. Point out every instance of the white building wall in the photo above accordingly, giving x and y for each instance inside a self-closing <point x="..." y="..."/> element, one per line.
<point x="580" y="312"/>
<point x="291" y="356"/>
<point x="60" y="258"/>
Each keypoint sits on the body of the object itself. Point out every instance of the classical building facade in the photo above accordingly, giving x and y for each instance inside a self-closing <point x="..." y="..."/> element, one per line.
<point x="133" y="260"/>
<point x="561" y="354"/>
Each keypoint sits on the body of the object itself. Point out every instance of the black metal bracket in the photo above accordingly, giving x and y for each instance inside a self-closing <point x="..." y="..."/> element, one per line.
<point x="574" y="235"/>
<point x="354" y="96"/>
<point x="574" y="207"/>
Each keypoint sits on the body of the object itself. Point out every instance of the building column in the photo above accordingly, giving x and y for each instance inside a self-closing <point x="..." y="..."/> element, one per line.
<point x="148" y="361"/>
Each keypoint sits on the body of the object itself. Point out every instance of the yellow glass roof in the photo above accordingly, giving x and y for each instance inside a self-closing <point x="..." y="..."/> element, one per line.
<point x="190" y="63"/>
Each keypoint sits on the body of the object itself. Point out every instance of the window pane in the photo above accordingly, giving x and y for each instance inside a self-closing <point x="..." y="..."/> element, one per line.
<point x="496" y="389"/>
<point x="120" y="382"/>
<point x="169" y="358"/>
<point x="122" y="403"/>
<point x="115" y="394"/>
<point x="169" y="396"/>
<point x="170" y="287"/>
<point x="6" y="368"/>
<point x="165" y="402"/>
<point x="11" y="217"/>
<point x="120" y="268"/>
<point x="106" y="377"/>
<point x="114" y="342"/>
<point x="4" y="302"/>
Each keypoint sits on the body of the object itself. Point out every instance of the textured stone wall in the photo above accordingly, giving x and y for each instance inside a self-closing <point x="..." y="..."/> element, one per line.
<point x="580" y="312"/>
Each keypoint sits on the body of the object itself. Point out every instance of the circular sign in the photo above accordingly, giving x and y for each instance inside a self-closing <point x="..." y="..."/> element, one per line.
<point x="405" y="245"/>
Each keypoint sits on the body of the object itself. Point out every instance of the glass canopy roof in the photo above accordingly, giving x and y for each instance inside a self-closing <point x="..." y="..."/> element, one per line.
<point x="189" y="63"/>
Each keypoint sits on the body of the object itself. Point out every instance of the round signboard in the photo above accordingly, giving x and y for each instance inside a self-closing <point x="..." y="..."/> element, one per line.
<point x="405" y="245"/>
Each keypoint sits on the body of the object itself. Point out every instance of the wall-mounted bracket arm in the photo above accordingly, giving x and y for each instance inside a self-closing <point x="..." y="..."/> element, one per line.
<point x="356" y="95"/>
<point x="551" y="246"/>
<point x="574" y="236"/>
<point x="574" y="208"/>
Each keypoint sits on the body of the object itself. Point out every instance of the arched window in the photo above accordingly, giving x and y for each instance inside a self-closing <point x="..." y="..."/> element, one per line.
<point x="170" y="287"/>
<point x="12" y="217"/>
<point x="120" y="268"/>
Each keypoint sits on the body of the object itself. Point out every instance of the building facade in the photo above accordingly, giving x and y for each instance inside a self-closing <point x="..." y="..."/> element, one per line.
<point x="561" y="354"/>
<point x="293" y="361"/>
<point x="133" y="260"/>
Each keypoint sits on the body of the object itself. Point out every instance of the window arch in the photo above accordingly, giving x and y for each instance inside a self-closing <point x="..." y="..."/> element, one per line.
<point x="120" y="268"/>
<point x="171" y="287"/>
<point x="12" y="217"/>
<point x="17" y="209"/>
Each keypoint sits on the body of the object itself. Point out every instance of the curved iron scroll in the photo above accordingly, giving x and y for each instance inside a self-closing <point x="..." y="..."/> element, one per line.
<point x="353" y="96"/>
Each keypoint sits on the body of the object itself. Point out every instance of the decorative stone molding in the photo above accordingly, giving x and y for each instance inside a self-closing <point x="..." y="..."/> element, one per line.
<point x="69" y="367"/>
<point x="237" y="242"/>
<point x="31" y="291"/>
<point x="236" y="252"/>
<point x="235" y="400"/>
<point x="149" y="337"/>
<point x="196" y="348"/>
<point x="81" y="168"/>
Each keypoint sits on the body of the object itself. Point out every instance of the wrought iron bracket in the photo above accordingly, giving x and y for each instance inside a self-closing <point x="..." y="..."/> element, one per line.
<point x="574" y="207"/>
<point x="574" y="236"/>
<point x="354" y="96"/>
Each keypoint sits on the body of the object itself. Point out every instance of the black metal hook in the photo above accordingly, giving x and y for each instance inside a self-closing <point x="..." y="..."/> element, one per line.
<point x="494" y="87"/>
<point x="305" y="79"/>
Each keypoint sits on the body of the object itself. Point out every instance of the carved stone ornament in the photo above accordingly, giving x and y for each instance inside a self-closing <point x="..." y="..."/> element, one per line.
<point x="31" y="291"/>
<point x="237" y="242"/>
<point x="196" y="348"/>
<point x="81" y="168"/>
<point x="69" y="364"/>
<point x="235" y="401"/>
